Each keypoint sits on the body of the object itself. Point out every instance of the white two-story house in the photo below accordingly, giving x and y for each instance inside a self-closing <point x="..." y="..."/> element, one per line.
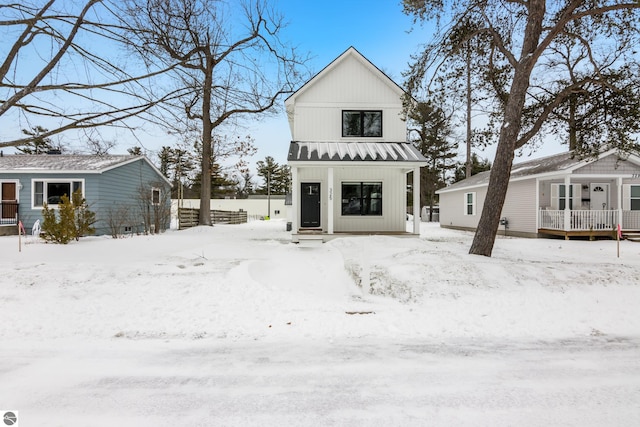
<point x="349" y="154"/>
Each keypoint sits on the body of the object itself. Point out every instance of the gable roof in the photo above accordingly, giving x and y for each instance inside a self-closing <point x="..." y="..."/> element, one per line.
<point x="354" y="152"/>
<point x="62" y="163"/>
<point x="566" y="162"/>
<point x="351" y="51"/>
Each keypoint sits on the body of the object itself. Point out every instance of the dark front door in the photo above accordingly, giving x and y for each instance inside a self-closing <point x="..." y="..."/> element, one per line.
<point x="310" y="204"/>
<point x="9" y="201"/>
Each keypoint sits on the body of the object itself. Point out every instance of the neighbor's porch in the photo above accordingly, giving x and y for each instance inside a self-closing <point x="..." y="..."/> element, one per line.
<point x="590" y="223"/>
<point x="589" y="206"/>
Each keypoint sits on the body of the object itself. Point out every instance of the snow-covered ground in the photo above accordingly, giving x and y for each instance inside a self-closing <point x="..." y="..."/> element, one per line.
<point x="234" y="325"/>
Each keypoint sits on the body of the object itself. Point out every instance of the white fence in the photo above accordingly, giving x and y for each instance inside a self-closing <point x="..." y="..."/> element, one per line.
<point x="586" y="220"/>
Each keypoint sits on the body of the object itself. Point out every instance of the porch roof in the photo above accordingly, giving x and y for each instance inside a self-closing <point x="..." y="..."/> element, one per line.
<point x="354" y="152"/>
<point x="563" y="162"/>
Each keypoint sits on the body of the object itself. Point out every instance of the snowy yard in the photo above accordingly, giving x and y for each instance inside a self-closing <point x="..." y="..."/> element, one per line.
<point x="235" y="326"/>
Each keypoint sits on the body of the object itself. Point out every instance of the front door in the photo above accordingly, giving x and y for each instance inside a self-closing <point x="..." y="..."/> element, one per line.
<point x="310" y="204"/>
<point x="599" y="197"/>
<point x="9" y="201"/>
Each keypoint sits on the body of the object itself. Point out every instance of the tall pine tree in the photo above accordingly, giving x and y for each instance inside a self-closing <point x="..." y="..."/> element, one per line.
<point x="432" y="130"/>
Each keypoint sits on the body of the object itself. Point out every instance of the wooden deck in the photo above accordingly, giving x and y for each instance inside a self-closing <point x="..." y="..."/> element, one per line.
<point x="592" y="234"/>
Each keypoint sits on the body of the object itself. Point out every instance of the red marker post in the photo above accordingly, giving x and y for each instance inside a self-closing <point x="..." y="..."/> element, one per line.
<point x="619" y="237"/>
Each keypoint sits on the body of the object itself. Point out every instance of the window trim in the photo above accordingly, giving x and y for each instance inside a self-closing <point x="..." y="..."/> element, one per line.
<point x="632" y="198"/>
<point x="467" y="204"/>
<point x="45" y="181"/>
<point x="362" y="132"/>
<point x="574" y="195"/>
<point x="153" y="191"/>
<point x="362" y="183"/>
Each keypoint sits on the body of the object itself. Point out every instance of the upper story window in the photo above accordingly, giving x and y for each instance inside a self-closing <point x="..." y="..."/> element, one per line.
<point x="361" y="123"/>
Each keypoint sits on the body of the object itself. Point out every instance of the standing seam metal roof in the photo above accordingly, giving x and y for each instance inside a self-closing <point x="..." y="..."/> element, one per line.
<point x="354" y="151"/>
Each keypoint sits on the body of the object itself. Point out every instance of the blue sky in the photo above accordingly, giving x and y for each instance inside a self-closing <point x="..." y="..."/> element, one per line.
<point x="376" y="28"/>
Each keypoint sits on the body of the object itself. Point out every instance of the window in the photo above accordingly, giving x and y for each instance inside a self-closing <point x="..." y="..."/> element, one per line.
<point x="635" y="197"/>
<point x="155" y="196"/>
<point x="469" y="203"/>
<point x="361" y="198"/>
<point x="51" y="192"/>
<point x="559" y="196"/>
<point x="361" y="123"/>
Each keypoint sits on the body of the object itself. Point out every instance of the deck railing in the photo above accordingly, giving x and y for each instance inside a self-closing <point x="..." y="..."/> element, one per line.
<point x="9" y="213"/>
<point x="586" y="220"/>
<point x="631" y="220"/>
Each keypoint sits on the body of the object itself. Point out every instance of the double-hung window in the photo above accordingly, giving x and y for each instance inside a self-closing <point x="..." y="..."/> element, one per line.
<point x="470" y="203"/>
<point x="362" y="198"/>
<point x="361" y="123"/>
<point x="635" y="198"/>
<point x="51" y="191"/>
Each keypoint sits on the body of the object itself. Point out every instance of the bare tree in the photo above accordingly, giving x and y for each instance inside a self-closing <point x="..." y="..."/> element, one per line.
<point x="229" y="60"/>
<point x="520" y="36"/>
<point x="56" y="72"/>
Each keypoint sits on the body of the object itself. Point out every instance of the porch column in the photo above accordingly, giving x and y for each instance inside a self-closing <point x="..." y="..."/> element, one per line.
<point x="416" y="200"/>
<point x="330" y="198"/>
<point x="295" y="197"/>
<point x="567" y="198"/>
<point x="619" y="192"/>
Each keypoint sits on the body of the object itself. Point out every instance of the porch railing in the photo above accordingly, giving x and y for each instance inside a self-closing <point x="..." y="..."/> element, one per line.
<point x="586" y="220"/>
<point x="631" y="220"/>
<point x="8" y="213"/>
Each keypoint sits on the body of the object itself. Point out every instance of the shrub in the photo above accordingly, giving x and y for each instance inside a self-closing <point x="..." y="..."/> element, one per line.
<point x="73" y="221"/>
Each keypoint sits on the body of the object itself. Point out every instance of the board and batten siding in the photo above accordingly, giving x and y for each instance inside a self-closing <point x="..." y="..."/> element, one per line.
<point x="351" y="85"/>
<point x="394" y="197"/>
<point x="394" y="200"/>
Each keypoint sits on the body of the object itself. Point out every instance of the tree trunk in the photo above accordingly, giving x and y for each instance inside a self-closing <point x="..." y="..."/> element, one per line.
<point x="573" y="130"/>
<point x="468" y="64"/>
<point x="205" y="184"/>
<point x="487" y="229"/>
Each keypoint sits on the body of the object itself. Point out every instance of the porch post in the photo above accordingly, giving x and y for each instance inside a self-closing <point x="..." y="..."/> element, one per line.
<point x="619" y="191"/>
<point x="416" y="200"/>
<point x="567" y="198"/>
<point x="330" y="197"/>
<point x="295" y="207"/>
<point x="537" y="204"/>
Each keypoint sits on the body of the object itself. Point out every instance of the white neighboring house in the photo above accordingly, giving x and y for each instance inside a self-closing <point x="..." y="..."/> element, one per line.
<point x="349" y="157"/>
<point x="559" y="195"/>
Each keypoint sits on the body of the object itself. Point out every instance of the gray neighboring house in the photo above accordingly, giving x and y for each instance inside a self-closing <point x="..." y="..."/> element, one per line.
<point x="559" y="195"/>
<point x="127" y="189"/>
